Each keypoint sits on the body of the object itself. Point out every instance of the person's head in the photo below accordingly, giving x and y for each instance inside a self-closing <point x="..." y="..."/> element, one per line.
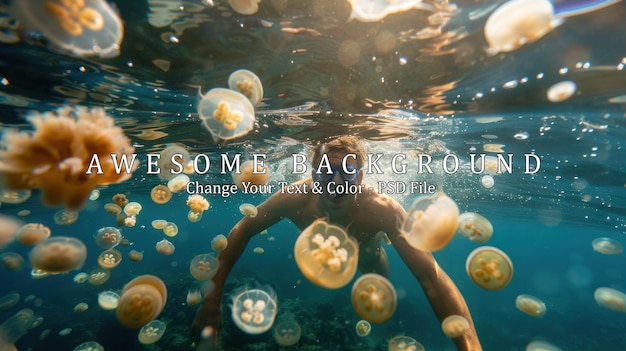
<point x="336" y="163"/>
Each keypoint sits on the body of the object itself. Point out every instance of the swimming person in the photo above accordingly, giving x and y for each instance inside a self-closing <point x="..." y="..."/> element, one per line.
<point x="365" y="214"/>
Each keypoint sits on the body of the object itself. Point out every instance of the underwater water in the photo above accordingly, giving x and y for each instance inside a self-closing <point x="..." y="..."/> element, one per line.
<point x="424" y="80"/>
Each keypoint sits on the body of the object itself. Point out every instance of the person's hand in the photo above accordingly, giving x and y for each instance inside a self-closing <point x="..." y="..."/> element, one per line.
<point x="207" y="324"/>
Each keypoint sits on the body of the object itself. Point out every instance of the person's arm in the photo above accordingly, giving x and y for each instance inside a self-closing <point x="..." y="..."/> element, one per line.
<point x="208" y="321"/>
<point x="443" y="295"/>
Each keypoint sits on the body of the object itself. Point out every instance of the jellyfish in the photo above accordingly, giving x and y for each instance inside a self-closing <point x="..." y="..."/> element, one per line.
<point x="245" y="7"/>
<point x="203" y="266"/>
<point x="171" y="162"/>
<point x="81" y="278"/>
<point x="607" y="246"/>
<point x="287" y="333"/>
<point x="612" y="299"/>
<point x="487" y="181"/>
<point x="8" y="228"/>
<point x="376" y="10"/>
<point x="161" y="194"/>
<point x="530" y="305"/>
<point x="120" y="200"/>
<point x="81" y="307"/>
<point x="170" y="229"/>
<point x="135" y="256"/>
<point x="178" y="183"/>
<point x="63" y="173"/>
<point x="159" y="224"/>
<point x="561" y="91"/>
<point x="9" y="300"/>
<point x="151" y="332"/>
<point x="219" y="243"/>
<point x="194" y="217"/>
<point x="165" y="247"/>
<point x="89" y="346"/>
<point x="197" y="203"/>
<point x="132" y="209"/>
<point x="99" y="276"/>
<point x="248" y="84"/>
<point x="475" y="227"/>
<point x="112" y="208"/>
<point x="108" y="300"/>
<point x="58" y="254"/>
<point x="108" y="237"/>
<point x="540" y="345"/>
<point x="14" y="196"/>
<point x="519" y="22"/>
<point x="431" y="222"/>
<point x="14" y="328"/>
<point x="81" y="28"/>
<point x="454" y="326"/>
<point x="248" y="210"/>
<point x="489" y="267"/>
<point x="12" y="261"/>
<point x="404" y="343"/>
<point x="374" y="297"/>
<point x="248" y="175"/>
<point x="226" y="114"/>
<point x="32" y="233"/>
<point x="363" y="328"/>
<point x="38" y="273"/>
<point x="109" y="259"/>
<point x="326" y="255"/>
<point x="254" y="310"/>
<point x="194" y="297"/>
<point x="65" y="217"/>
<point x="141" y="301"/>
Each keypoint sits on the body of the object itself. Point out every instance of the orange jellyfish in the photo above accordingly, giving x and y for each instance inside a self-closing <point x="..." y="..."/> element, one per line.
<point x="203" y="267"/>
<point x="171" y="162"/>
<point x="165" y="247"/>
<point x="227" y="114"/>
<point x="611" y="299"/>
<point x="363" y="328"/>
<point x="475" y="227"/>
<point x="194" y="297"/>
<point x="374" y="297"/>
<point x="99" y="276"/>
<point x="135" y="256"/>
<point x="248" y="175"/>
<point x="82" y="28"/>
<point x="254" y="310"/>
<point x="248" y="210"/>
<point x="287" y="333"/>
<point x="65" y="217"/>
<point x="58" y="254"/>
<point x="109" y="259"/>
<point x="151" y="332"/>
<point x="404" y="343"/>
<point x="141" y="301"/>
<point x="247" y="83"/>
<point x="108" y="237"/>
<point x="530" y="305"/>
<point x="454" y="326"/>
<point x="326" y="255"/>
<point x="32" y="233"/>
<point x="219" y="243"/>
<point x="519" y="22"/>
<point x="108" y="300"/>
<point x="12" y="261"/>
<point x="489" y="267"/>
<point x="607" y="246"/>
<point x="132" y="209"/>
<point x="431" y="222"/>
<point x="170" y="229"/>
<point x="197" y="203"/>
<point x="161" y="194"/>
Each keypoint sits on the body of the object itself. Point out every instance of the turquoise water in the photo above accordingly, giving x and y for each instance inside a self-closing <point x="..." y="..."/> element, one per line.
<point x="434" y="95"/>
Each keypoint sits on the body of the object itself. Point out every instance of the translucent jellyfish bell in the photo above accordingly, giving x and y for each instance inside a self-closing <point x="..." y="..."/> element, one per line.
<point x="475" y="227"/>
<point x="404" y="343"/>
<point x="287" y="333"/>
<point x="519" y="22"/>
<point x="326" y="255"/>
<point x="374" y="297"/>
<point x="81" y="27"/>
<point x="248" y="84"/>
<point x="612" y="299"/>
<point x="376" y="10"/>
<point x="530" y="305"/>
<point x="254" y="310"/>
<point x="227" y="114"/>
<point x="431" y="222"/>
<point x="489" y="267"/>
<point x="607" y="246"/>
